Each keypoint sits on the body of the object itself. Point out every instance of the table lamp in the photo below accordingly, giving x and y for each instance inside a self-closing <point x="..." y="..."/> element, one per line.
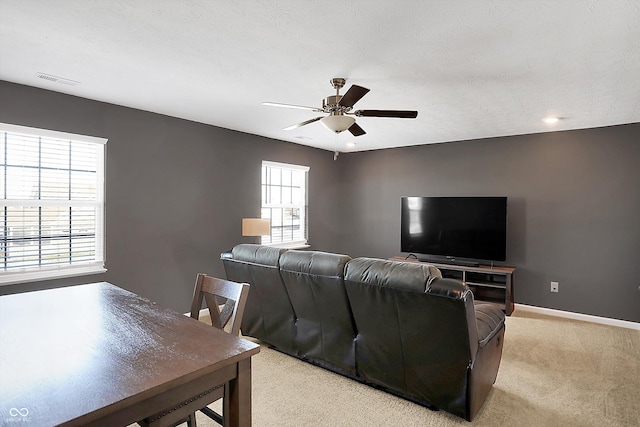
<point x="256" y="227"/>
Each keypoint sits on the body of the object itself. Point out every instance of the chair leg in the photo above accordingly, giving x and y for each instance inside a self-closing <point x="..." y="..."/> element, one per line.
<point x="213" y="415"/>
<point x="191" y="420"/>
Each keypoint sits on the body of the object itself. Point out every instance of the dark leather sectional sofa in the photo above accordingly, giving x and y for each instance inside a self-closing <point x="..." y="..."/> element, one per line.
<point x="398" y="326"/>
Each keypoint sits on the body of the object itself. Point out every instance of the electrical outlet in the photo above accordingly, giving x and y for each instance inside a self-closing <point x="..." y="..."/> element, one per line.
<point x="554" y="286"/>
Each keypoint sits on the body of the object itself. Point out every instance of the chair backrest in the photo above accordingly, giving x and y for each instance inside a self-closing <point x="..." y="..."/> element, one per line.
<point x="208" y="288"/>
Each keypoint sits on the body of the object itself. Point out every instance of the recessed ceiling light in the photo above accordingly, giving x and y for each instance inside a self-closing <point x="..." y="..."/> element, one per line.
<point x="351" y="144"/>
<point x="551" y="120"/>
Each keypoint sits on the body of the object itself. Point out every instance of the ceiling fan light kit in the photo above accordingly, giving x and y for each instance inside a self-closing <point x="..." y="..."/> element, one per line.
<point x="337" y="123"/>
<point x="338" y="106"/>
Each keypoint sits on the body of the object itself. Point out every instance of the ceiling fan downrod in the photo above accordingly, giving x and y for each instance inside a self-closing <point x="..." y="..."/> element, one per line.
<point x="331" y="104"/>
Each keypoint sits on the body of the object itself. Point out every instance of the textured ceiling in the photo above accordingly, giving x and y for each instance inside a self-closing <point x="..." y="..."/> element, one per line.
<point x="472" y="68"/>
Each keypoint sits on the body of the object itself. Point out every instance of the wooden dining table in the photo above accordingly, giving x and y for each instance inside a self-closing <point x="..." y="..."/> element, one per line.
<point x="97" y="354"/>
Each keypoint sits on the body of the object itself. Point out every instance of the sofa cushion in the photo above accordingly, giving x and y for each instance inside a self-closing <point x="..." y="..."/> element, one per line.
<point x="394" y="274"/>
<point x="490" y="320"/>
<point x="314" y="262"/>
<point x="263" y="255"/>
<point x="324" y="328"/>
<point x="412" y="330"/>
<point x="268" y="314"/>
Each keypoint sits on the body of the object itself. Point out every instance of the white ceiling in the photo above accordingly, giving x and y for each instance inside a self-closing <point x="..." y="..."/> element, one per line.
<point x="472" y="68"/>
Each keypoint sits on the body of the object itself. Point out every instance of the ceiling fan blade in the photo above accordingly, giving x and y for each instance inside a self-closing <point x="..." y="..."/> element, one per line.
<point x="353" y="95"/>
<point x="299" y="107"/>
<point x="297" y="125"/>
<point x="399" y="114"/>
<point x="356" y="130"/>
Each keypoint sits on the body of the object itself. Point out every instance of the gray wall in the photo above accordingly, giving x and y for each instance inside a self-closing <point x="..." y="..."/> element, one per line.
<point x="177" y="190"/>
<point x="573" y="209"/>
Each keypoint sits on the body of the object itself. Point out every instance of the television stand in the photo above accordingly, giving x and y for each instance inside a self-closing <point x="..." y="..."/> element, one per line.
<point x="488" y="283"/>
<point x="449" y="262"/>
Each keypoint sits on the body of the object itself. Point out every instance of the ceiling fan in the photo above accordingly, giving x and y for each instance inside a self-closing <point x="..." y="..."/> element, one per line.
<point x="339" y="109"/>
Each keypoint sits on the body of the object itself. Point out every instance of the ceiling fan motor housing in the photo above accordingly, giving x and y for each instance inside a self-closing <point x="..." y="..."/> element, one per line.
<point x="330" y="104"/>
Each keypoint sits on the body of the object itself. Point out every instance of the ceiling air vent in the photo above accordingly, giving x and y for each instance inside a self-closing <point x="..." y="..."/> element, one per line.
<point x="55" y="79"/>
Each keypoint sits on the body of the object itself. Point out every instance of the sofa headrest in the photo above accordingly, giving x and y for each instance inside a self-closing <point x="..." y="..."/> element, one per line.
<point x="257" y="254"/>
<point x="314" y="262"/>
<point x="393" y="274"/>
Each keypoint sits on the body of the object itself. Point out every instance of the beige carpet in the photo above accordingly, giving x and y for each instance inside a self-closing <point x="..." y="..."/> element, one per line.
<point x="554" y="372"/>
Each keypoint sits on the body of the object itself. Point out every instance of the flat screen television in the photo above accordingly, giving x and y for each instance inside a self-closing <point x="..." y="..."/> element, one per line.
<point x="454" y="228"/>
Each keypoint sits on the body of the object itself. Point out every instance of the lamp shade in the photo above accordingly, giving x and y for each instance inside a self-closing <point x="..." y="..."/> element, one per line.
<point x="337" y="123"/>
<point x="256" y="227"/>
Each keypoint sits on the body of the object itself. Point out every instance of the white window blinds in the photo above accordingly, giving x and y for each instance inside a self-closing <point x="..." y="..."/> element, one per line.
<point x="51" y="204"/>
<point x="284" y="202"/>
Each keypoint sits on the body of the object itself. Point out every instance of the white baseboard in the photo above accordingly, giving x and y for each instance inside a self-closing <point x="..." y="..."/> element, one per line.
<point x="203" y="312"/>
<point x="549" y="312"/>
<point x="579" y="316"/>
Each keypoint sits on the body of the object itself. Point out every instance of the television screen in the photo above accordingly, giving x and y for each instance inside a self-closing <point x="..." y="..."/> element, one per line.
<point x="455" y="227"/>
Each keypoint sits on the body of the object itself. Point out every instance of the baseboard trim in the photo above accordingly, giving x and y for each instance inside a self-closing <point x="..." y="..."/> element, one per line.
<point x="542" y="310"/>
<point x="202" y="313"/>
<point x="579" y="316"/>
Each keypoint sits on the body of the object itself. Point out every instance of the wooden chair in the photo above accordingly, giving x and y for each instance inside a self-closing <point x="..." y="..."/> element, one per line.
<point x="209" y="289"/>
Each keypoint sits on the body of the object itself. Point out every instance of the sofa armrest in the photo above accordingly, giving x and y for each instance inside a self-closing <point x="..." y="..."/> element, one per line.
<point x="455" y="289"/>
<point x="448" y="287"/>
<point x="490" y="320"/>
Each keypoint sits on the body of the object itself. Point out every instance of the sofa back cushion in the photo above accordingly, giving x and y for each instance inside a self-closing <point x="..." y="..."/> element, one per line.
<point x="257" y="254"/>
<point x="412" y="329"/>
<point x="268" y="314"/>
<point x="324" y="325"/>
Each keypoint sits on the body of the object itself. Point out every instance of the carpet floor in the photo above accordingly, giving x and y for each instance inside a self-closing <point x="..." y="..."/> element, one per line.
<point x="554" y="372"/>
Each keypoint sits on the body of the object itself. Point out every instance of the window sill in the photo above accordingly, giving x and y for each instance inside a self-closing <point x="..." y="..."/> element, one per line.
<point x="36" y="276"/>
<point x="290" y="245"/>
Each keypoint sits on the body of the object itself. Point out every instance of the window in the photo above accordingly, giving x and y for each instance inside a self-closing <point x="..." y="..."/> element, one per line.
<point x="284" y="202"/>
<point x="51" y="203"/>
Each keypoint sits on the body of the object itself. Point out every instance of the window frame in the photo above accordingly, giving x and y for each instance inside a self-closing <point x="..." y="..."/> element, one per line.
<point x="303" y="207"/>
<point x="72" y="269"/>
